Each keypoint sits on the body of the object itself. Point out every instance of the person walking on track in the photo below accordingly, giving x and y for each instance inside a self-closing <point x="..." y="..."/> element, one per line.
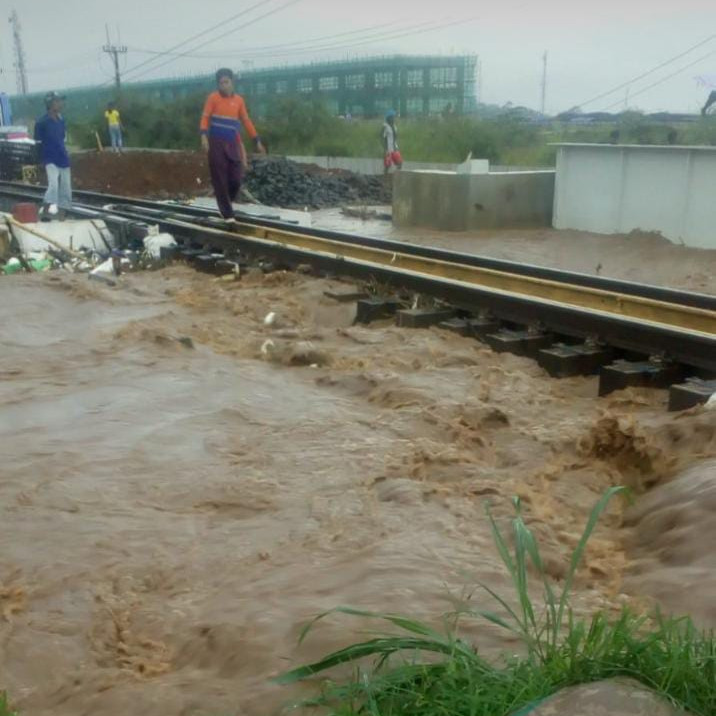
<point x="222" y="120"/>
<point x="50" y="134"/>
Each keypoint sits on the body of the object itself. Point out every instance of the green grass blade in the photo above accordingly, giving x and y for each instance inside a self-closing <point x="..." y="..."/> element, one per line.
<point x="581" y="547"/>
<point x="375" y="647"/>
<point x="522" y="628"/>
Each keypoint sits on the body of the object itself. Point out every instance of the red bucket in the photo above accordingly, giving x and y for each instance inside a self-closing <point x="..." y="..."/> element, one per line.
<point x="25" y="213"/>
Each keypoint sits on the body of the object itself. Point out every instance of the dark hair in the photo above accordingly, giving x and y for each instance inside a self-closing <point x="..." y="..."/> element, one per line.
<point x="224" y="72"/>
<point x="111" y="105"/>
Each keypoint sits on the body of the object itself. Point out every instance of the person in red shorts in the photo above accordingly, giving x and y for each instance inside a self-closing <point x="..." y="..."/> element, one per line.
<point x="222" y="120"/>
<point x="390" y="143"/>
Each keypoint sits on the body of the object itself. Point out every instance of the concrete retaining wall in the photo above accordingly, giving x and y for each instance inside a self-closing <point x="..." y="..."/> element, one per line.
<point x="458" y="202"/>
<point x="612" y="189"/>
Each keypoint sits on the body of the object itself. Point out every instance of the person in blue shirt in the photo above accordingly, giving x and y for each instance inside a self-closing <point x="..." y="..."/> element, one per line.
<point x="50" y="134"/>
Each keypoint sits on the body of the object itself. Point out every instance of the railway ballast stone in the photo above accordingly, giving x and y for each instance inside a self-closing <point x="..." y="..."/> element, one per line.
<point x="278" y="182"/>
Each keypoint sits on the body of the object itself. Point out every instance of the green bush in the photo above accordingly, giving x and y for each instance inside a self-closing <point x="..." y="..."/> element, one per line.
<point x="305" y="127"/>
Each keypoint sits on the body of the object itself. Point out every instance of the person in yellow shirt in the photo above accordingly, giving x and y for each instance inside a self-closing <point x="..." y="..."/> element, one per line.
<point x="114" y="123"/>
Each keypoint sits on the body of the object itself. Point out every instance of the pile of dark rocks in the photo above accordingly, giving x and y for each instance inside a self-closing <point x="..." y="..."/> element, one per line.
<point x="279" y="182"/>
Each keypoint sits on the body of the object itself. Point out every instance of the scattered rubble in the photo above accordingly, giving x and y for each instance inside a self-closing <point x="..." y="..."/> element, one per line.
<point x="37" y="247"/>
<point x="279" y="182"/>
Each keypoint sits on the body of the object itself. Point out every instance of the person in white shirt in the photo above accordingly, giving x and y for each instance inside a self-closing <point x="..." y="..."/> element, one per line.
<point x="391" y="153"/>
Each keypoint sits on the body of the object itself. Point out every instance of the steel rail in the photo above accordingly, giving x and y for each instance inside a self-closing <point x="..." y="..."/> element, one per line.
<point x="519" y="299"/>
<point x="684" y="333"/>
<point x="254" y="225"/>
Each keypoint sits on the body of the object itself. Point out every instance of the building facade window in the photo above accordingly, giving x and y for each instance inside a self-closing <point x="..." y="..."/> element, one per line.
<point x="415" y="78"/>
<point x="443" y="77"/>
<point x="281" y="86"/>
<point x="383" y="79"/>
<point x="325" y="84"/>
<point x="438" y="104"/>
<point x="414" y="106"/>
<point x="304" y="85"/>
<point x="261" y="88"/>
<point x="355" y="82"/>
<point x="383" y="105"/>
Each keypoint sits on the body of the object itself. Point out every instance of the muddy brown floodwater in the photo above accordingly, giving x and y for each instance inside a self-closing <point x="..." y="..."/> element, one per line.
<point x="178" y="496"/>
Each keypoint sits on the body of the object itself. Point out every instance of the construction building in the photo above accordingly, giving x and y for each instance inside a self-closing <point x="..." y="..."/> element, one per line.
<point x="413" y="85"/>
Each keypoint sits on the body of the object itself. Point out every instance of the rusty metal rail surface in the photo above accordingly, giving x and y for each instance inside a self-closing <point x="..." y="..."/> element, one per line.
<point x="158" y="210"/>
<point x="682" y="331"/>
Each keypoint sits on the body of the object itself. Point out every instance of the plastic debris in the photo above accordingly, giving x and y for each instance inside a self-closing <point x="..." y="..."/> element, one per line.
<point x="154" y="243"/>
<point x="106" y="267"/>
<point x="12" y="266"/>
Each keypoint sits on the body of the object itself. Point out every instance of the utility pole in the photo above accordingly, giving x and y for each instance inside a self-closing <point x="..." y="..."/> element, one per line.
<point x="115" y="51"/>
<point x="544" y="82"/>
<point x="20" y="71"/>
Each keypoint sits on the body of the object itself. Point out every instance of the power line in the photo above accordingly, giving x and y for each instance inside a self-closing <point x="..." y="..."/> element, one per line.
<point x="646" y="74"/>
<point x="347" y="46"/>
<point x="280" y="45"/>
<point x="664" y="79"/>
<point x="368" y="40"/>
<point x="223" y="23"/>
<point x="228" y="32"/>
<point x="391" y="35"/>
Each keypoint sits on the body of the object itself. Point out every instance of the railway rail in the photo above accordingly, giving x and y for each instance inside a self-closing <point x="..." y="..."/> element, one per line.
<point x="633" y="334"/>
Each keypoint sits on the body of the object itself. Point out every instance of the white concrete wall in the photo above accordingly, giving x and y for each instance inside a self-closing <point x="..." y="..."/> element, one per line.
<point x="616" y="189"/>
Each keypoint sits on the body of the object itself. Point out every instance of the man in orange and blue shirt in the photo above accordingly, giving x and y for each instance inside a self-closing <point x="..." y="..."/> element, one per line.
<point x="223" y="118"/>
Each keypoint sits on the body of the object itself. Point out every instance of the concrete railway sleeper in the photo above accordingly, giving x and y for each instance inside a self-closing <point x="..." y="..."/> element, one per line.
<point x="577" y="327"/>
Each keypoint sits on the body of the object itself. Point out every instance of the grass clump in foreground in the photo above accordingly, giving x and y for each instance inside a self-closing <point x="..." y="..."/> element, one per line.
<point x="669" y="656"/>
<point x="5" y="706"/>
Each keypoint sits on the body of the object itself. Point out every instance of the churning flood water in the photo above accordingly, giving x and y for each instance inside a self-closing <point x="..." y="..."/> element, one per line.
<point x="179" y="496"/>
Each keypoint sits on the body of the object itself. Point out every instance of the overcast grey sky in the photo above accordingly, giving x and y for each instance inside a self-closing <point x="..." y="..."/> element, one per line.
<point x="593" y="46"/>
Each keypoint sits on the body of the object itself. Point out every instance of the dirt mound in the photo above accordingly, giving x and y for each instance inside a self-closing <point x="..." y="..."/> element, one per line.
<point x="183" y="175"/>
<point x="160" y="175"/>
